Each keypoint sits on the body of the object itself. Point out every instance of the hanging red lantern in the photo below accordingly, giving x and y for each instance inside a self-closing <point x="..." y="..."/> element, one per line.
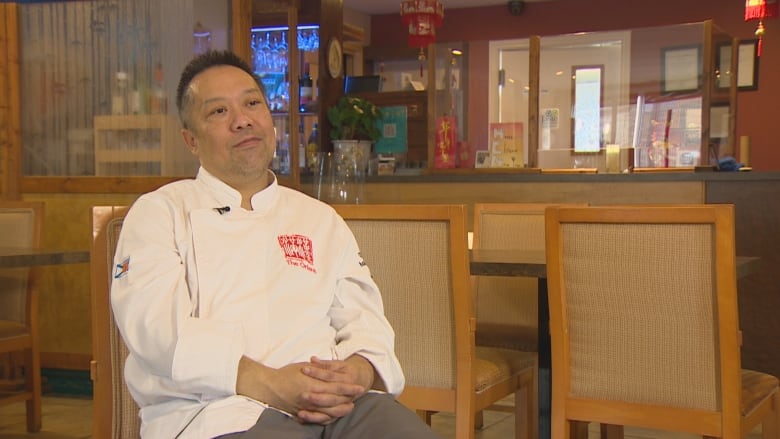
<point x="759" y="10"/>
<point x="422" y="18"/>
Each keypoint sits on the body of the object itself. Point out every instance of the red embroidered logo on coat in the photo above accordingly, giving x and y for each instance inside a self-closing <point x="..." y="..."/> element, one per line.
<point x="298" y="251"/>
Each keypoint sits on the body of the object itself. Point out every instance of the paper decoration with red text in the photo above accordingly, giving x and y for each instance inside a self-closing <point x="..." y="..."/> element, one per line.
<point x="446" y="137"/>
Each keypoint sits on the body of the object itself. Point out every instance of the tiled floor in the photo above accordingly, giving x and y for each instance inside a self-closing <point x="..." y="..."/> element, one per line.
<point x="63" y="418"/>
<point x="71" y="418"/>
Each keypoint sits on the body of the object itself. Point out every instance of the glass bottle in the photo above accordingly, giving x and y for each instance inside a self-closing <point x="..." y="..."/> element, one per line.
<point x="301" y="146"/>
<point x="312" y="148"/>
<point x="158" y="104"/>
<point x="119" y="94"/>
<point x="283" y="152"/>
<point x="282" y="94"/>
<point x="306" y="87"/>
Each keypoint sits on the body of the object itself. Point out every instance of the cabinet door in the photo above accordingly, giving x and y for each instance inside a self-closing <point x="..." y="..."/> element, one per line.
<point x="275" y="53"/>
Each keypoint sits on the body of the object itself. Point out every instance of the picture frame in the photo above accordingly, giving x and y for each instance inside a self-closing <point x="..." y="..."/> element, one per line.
<point x="747" y="65"/>
<point x="723" y="64"/>
<point x="719" y="121"/>
<point x="482" y="159"/>
<point x="681" y="69"/>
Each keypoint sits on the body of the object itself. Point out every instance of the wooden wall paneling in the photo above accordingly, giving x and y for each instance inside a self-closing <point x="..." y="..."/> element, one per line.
<point x="4" y="110"/>
<point x="241" y="25"/>
<point x="330" y="89"/>
<point x="65" y="321"/>
<point x="93" y="185"/>
<point x="10" y="122"/>
<point x="294" y="70"/>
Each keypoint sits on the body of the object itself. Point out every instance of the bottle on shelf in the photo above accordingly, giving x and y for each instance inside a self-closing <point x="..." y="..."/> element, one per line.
<point x="119" y="94"/>
<point x="136" y="103"/>
<point x="312" y="148"/>
<point x="301" y="146"/>
<point x="282" y="94"/>
<point x="306" y="88"/>
<point x="283" y="154"/>
<point x="158" y="102"/>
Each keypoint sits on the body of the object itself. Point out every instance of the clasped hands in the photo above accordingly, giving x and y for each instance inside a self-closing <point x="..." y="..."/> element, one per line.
<point x="318" y="391"/>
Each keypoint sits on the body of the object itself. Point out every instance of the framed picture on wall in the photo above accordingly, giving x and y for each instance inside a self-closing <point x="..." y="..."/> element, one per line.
<point x="747" y="65"/>
<point x="681" y="69"/>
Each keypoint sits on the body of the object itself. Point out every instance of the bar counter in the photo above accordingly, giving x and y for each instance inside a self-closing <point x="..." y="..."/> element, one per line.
<point x="756" y="196"/>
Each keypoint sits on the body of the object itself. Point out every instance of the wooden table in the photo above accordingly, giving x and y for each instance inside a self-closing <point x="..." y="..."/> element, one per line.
<point x="533" y="264"/>
<point x="526" y="264"/>
<point x="14" y="257"/>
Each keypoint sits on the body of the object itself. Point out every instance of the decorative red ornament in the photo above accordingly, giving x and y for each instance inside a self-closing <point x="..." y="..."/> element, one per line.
<point x="422" y="18"/>
<point x="759" y="10"/>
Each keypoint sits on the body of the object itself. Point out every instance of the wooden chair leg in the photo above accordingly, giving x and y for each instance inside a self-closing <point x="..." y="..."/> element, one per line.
<point x="425" y="415"/>
<point x="479" y="419"/>
<point x="579" y="430"/>
<point x="32" y="373"/>
<point x="526" y="414"/>
<point x="611" y="431"/>
<point x="770" y="428"/>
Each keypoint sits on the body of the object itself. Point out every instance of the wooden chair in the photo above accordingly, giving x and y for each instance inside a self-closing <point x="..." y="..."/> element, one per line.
<point x="115" y="414"/>
<point x="644" y="322"/>
<point x="419" y="259"/>
<point x="506" y="307"/>
<point x="21" y="225"/>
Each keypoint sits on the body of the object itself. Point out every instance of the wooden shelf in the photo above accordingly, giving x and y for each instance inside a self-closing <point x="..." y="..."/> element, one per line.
<point x="149" y="144"/>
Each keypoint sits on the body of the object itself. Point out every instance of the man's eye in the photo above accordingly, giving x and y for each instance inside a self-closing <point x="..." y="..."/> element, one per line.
<point x="255" y="102"/>
<point x="219" y="110"/>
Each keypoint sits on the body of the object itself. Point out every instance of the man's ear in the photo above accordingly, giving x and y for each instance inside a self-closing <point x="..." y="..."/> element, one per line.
<point x="190" y="140"/>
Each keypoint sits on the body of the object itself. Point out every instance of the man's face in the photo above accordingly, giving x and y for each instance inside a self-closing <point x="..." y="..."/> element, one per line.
<point x="230" y="126"/>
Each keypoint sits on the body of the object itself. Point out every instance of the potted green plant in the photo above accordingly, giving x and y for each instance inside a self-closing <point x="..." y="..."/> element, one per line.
<point x="354" y="118"/>
<point x="354" y="128"/>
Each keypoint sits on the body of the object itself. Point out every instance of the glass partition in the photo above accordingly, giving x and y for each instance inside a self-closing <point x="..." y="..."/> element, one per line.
<point x="99" y="81"/>
<point x="584" y="82"/>
<point x="660" y="97"/>
<point x="509" y="112"/>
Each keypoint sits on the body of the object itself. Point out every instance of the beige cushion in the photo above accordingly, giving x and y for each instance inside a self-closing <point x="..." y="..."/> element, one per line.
<point x="496" y="364"/>
<point x="756" y="387"/>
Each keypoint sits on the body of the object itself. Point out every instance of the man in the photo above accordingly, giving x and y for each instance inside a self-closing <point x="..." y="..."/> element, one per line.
<point x="246" y="307"/>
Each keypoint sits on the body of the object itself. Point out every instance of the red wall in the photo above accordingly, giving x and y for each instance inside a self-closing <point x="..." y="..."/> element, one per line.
<point x="757" y="111"/>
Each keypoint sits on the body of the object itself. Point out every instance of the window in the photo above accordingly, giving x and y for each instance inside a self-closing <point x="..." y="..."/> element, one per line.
<point x="587" y="90"/>
<point x="99" y="79"/>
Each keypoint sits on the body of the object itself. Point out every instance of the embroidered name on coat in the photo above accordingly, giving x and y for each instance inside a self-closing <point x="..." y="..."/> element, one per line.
<point x="298" y="251"/>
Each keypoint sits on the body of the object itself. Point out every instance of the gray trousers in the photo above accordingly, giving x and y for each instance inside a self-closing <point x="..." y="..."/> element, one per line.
<point x="376" y="416"/>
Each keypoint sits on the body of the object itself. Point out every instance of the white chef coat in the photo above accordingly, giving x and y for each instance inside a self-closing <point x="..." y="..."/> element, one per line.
<point x="199" y="282"/>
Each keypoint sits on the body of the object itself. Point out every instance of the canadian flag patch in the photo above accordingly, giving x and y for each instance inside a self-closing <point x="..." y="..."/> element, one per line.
<point x="298" y="251"/>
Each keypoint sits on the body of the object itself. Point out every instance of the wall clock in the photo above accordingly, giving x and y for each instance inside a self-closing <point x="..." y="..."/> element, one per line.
<point x="335" y="58"/>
